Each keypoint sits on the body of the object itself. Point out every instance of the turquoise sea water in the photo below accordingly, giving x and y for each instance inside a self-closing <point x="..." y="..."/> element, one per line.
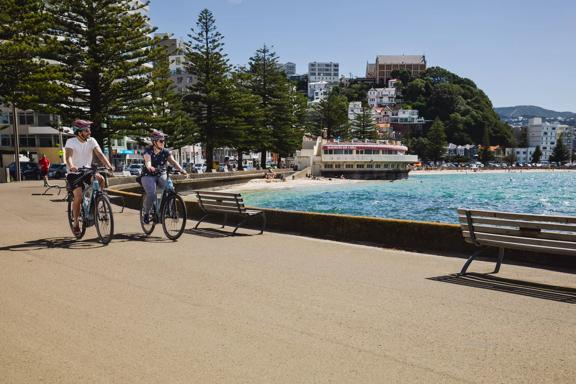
<point x="432" y="197"/>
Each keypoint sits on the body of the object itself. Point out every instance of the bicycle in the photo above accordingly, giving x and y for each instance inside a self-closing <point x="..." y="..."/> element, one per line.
<point x="169" y="210"/>
<point x="95" y="208"/>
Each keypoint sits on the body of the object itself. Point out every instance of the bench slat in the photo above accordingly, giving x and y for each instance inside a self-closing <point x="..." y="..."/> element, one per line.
<point x="566" y="236"/>
<point x="216" y="193"/>
<point x="518" y="216"/>
<point x="220" y="202"/>
<point x="480" y="237"/>
<point x="529" y="247"/>
<point x="217" y="198"/>
<point x="519" y="224"/>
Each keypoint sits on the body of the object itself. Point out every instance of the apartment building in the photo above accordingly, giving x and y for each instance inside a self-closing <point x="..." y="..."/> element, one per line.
<point x="175" y="48"/>
<point x="329" y="72"/>
<point x="546" y="136"/>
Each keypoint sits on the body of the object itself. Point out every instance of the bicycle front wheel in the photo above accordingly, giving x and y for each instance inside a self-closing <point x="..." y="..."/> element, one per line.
<point x="173" y="217"/>
<point x="81" y="223"/>
<point x="148" y="228"/>
<point x="104" y="219"/>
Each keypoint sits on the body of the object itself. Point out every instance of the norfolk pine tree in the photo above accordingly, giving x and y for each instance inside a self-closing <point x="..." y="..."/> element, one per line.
<point x="363" y="125"/>
<point x="270" y="84"/>
<point x="537" y="155"/>
<point x="437" y="140"/>
<point x="209" y="99"/>
<point x="106" y="54"/>
<point x="27" y="79"/>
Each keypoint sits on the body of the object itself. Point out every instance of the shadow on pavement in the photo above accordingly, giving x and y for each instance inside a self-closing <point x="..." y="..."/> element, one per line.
<point x="517" y="287"/>
<point x="212" y="233"/>
<point x="54" y="242"/>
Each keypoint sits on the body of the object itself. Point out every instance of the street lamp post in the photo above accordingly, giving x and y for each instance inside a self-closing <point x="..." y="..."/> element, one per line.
<point x="16" y="135"/>
<point x="61" y="144"/>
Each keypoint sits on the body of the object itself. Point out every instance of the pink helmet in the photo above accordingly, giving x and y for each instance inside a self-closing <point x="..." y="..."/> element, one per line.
<point x="156" y="135"/>
<point x="80" y="125"/>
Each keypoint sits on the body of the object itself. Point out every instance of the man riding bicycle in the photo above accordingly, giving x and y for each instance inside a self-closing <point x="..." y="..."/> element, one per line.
<point x="154" y="171"/>
<point x="79" y="153"/>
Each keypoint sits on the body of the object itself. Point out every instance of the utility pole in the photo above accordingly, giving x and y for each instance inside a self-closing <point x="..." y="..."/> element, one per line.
<point x="16" y="135"/>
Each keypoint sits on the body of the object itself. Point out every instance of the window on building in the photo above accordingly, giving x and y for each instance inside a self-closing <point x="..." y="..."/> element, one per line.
<point x="369" y="165"/>
<point x="328" y="166"/>
<point x="26" y="118"/>
<point x="44" y="119"/>
<point x="377" y="166"/>
<point x="5" y="141"/>
<point x="359" y="151"/>
<point x="46" y="141"/>
<point x="349" y="166"/>
<point x="359" y="165"/>
<point x="28" y="141"/>
<point x="338" y="166"/>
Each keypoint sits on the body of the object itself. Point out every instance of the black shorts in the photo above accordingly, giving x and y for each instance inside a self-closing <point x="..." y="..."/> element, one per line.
<point x="43" y="172"/>
<point x="76" y="180"/>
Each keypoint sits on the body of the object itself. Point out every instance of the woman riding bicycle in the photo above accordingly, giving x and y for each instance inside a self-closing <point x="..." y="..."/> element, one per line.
<point x="154" y="171"/>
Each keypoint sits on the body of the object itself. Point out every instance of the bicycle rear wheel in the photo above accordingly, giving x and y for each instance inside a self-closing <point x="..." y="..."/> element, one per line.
<point x="81" y="222"/>
<point x="148" y="228"/>
<point x="173" y="217"/>
<point x="104" y="219"/>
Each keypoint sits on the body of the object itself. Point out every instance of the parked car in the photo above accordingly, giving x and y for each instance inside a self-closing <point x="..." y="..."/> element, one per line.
<point x="200" y="168"/>
<point x="57" y="171"/>
<point x="135" y="169"/>
<point x="28" y="171"/>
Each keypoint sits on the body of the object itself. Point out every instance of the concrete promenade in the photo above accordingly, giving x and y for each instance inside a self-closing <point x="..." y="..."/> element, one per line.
<point x="274" y="308"/>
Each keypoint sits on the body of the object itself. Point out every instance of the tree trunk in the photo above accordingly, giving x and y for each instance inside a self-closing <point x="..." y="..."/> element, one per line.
<point x="240" y="160"/>
<point x="209" y="156"/>
<point x="263" y="159"/>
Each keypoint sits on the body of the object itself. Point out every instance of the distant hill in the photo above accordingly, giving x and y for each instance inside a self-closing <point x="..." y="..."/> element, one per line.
<point x="530" y="111"/>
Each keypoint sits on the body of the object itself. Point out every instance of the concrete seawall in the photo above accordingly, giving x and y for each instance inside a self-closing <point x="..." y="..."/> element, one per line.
<point x="427" y="237"/>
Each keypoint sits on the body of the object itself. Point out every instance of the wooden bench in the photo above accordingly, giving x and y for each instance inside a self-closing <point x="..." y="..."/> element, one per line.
<point x="225" y="203"/>
<point x="506" y="230"/>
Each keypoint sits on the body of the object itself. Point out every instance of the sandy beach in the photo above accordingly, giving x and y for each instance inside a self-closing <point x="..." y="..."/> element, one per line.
<point x="289" y="183"/>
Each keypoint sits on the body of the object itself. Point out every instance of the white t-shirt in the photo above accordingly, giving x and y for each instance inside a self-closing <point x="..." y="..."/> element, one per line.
<point x="82" y="151"/>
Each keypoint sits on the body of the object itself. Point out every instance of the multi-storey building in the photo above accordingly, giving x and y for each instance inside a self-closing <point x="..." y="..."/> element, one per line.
<point x="405" y="121"/>
<point x="37" y="135"/>
<point x="329" y="72"/>
<point x="354" y="109"/>
<point x="318" y="90"/>
<point x="181" y="78"/>
<point x="546" y="136"/>
<point x="382" y="96"/>
<point x="381" y="70"/>
<point x="288" y="68"/>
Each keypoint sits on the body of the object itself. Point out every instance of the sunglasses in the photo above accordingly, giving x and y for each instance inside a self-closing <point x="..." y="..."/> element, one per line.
<point x="161" y="141"/>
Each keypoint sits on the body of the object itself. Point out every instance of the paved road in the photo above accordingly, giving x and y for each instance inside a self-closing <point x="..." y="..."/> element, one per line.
<point x="263" y="309"/>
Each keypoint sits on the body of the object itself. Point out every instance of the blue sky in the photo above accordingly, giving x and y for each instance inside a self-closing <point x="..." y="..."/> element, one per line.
<point x="518" y="52"/>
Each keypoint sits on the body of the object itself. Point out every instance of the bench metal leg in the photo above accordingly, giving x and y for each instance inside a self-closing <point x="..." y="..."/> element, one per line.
<point x="263" y="223"/>
<point x="201" y="220"/>
<point x="225" y="220"/>
<point x="248" y="218"/>
<point x="470" y="259"/>
<point x="500" y="258"/>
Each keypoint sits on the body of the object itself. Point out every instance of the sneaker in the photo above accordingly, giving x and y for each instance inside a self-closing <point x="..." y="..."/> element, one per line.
<point x="146" y="219"/>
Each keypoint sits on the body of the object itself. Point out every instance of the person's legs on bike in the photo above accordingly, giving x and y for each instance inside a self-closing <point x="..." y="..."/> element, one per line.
<point x="75" y="183"/>
<point x="149" y="185"/>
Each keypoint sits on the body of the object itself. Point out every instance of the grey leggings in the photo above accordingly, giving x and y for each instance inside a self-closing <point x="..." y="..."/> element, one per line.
<point x="149" y="184"/>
